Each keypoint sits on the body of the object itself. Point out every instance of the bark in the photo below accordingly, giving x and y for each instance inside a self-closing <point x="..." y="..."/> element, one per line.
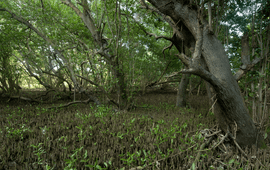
<point x="181" y="100"/>
<point x="121" y="89"/>
<point x="245" y="58"/>
<point x="210" y="16"/>
<point x="210" y="94"/>
<point x="232" y="112"/>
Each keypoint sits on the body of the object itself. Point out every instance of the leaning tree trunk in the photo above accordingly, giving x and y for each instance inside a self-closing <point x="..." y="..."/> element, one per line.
<point x="232" y="113"/>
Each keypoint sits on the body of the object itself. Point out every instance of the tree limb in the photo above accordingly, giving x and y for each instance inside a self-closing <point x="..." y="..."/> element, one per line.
<point x="101" y="88"/>
<point x="157" y="37"/>
<point x="152" y="84"/>
<point x="186" y="60"/>
<point x="90" y="81"/>
<point x="165" y="48"/>
<point x="245" y="68"/>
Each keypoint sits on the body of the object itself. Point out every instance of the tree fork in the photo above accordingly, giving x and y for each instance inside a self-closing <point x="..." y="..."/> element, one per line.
<point x="230" y="108"/>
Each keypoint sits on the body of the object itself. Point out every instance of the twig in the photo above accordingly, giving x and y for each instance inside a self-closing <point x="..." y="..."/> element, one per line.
<point x="200" y="150"/>
<point x="213" y="134"/>
<point x="221" y="141"/>
<point x="212" y="105"/>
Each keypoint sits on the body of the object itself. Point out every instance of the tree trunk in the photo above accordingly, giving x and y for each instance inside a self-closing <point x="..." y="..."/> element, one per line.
<point x="232" y="112"/>
<point x="181" y="100"/>
<point x="121" y="88"/>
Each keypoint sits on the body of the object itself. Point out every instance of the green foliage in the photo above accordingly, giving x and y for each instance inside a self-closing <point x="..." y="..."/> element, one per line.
<point x="9" y="71"/>
<point x="138" y="54"/>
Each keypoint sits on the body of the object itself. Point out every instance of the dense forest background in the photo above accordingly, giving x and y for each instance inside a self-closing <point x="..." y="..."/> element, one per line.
<point x="47" y="45"/>
<point x="113" y="52"/>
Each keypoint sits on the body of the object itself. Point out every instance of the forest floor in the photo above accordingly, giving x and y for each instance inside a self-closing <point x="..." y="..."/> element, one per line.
<point x="155" y="135"/>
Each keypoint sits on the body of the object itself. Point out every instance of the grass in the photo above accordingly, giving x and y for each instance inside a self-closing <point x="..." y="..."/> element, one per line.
<point x="155" y="136"/>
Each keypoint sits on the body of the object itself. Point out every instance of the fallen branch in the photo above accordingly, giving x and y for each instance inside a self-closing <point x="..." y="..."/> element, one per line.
<point x="71" y="103"/>
<point x="101" y="88"/>
<point x="23" y="98"/>
<point x="156" y="82"/>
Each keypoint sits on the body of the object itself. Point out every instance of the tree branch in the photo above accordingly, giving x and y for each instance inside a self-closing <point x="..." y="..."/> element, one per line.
<point x="186" y="60"/>
<point x="152" y="84"/>
<point x="101" y="88"/>
<point x="165" y="48"/>
<point x="157" y="37"/>
<point x="56" y="76"/>
<point x="72" y="6"/>
<point x="245" y="68"/>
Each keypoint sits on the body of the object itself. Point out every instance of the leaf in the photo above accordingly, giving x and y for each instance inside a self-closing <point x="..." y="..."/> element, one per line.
<point x="231" y="161"/>
<point x="98" y="167"/>
<point x="193" y="167"/>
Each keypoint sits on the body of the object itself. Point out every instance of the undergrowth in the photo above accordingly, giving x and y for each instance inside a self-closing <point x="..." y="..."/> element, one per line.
<point x="155" y="136"/>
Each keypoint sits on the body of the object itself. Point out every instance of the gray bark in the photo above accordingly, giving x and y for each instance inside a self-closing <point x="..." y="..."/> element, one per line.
<point x="232" y="112"/>
<point x="181" y="100"/>
<point x="245" y="56"/>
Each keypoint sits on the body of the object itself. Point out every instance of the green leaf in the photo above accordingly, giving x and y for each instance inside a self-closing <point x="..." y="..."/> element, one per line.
<point x="98" y="167"/>
<point x="231" y="161"/>
<point x="193" y="167"/>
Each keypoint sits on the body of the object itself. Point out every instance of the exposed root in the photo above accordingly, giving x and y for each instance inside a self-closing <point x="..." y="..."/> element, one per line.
<point x="228" y="137"/>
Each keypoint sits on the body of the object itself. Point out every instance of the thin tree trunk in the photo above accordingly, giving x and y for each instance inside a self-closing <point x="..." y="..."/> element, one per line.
<point x="181" y="93"/>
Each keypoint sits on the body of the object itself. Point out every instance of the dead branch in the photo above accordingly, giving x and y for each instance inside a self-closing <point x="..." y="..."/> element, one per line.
<point x="23" y="98"/>
<point x="245" y="68"/>
<point x="215" y="133"/>
<point x="48" y="91"/>
<point x="154" y="83"/>
<point x="200" y="150"/>
<point x="221" y="141"/>
<point x="101" y="88"/>
<point x="72" y="103"/>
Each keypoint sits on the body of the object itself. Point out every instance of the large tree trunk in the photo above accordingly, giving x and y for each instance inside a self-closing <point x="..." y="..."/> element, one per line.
<point x="232" y="112"/>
